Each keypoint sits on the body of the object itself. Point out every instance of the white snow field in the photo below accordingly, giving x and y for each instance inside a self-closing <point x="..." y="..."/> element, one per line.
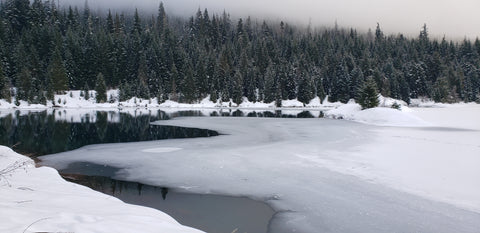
<point x="39" y="200"/>
<point x="323" y="175"/>
<point x="440" y="161"/>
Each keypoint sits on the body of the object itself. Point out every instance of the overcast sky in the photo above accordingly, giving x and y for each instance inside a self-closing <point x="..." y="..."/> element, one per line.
<point x="453" y="18"/>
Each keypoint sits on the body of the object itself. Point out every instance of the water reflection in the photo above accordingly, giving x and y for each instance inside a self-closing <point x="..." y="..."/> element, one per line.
<point x="42" y="133"/>
<point x="270" y="113"/>
<point x="211" y="213"/>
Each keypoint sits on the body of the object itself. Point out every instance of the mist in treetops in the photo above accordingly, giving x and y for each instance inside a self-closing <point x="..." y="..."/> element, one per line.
<point x="46" y="49"/>
<point x="453" y="18"/>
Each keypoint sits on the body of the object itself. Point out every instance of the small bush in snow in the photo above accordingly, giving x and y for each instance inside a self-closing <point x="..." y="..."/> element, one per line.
<point x="112" y="100"/>
<point x="10" y="168"/>
<point x="397" y="106"/>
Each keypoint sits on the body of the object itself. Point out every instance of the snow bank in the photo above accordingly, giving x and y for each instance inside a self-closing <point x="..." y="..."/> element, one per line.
<point x="425" y="103"/>
<point x="315" y="102"/>
<point x="76" y="99"/>
<point x="22" y="104"/>
<point x="345" y="111"/>
<point x="6" y="105"/>
<point x="389" y="102"/>
<point x="326" y="103"/>
<point x="247" y="104"/>
<point x="205" y="103"/>
<point x="292" y="104"/>
<point x="380" y="116"/>
<point x="389" y="117"/>
<point x="39" y="200"/>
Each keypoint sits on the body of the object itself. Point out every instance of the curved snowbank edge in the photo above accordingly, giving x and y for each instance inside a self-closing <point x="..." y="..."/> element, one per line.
<point x="39" y="200"/>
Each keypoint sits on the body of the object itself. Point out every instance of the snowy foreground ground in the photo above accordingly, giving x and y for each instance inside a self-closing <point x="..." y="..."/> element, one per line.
<point x="39" y="200"/>
<point x="321" y="175"/>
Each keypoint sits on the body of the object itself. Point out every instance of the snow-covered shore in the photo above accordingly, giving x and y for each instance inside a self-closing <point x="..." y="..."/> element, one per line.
<point x="76" y="99"/>
<point x="39" y="200"/>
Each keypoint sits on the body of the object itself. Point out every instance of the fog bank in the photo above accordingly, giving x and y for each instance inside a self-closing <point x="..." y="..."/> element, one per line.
<point x="452" y="18"/>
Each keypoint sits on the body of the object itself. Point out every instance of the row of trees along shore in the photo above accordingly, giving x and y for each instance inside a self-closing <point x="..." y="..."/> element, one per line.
<point x="47" y="49"/>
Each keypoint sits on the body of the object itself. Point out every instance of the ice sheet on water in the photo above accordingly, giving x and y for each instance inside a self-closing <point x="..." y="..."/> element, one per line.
<point x="290" y="164"/>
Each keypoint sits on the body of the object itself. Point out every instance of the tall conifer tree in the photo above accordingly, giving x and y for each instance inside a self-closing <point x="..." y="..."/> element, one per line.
<point x="368" y="95"/>
<point x="101" y="89"/>
<point x="57" y="73"/>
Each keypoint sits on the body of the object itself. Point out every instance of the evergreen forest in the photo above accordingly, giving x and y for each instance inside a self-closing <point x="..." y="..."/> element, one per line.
<point x="47" y="49"/>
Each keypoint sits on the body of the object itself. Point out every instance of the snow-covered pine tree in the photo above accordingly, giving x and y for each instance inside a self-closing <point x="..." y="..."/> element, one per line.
<point x="57" y="73"/>
<point x="142" y="89"/>
<point x="250" y="84"/>
<point x="18" y="14"/>
<point x="342" y="90"/>
<point x="86" y="91"/>
<point x="110" y="25"/>
<point x="201" y="81"/>
<point x="440" y="90"/>
<point x="320" y="88"/>
<point x="188" y="88"/>
<point x="291" y="84"/>
<point x="237" y="87"/>
<point x="4" y="86"/>
<point x="305" y="89"/>
<point x="160" y="94"/>
<point x="367" y="96"/>
<point x="357" y="79"/>
<point x="161" y="19"/>
<point x="101" y="89"/>
<point x="270" y="86"/>
<point x="137" y="24"/>
<point x="173" y="83"/>
<point x="24" y="85"/>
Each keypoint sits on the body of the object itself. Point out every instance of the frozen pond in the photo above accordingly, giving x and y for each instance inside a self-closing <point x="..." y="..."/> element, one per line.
<point x="286" y="163"/>
<point x="42" y="132"/>
<point x="38" y="133"/>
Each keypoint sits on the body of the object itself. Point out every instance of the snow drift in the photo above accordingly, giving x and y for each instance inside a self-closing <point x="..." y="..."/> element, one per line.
<point x="381" y="116"/>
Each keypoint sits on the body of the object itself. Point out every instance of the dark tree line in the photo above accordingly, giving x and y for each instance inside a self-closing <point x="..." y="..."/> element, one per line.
<point x="45" y="50"/>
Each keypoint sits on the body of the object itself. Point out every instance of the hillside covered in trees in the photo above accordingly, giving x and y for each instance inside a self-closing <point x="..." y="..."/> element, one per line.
<point x="47" y="49"/>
